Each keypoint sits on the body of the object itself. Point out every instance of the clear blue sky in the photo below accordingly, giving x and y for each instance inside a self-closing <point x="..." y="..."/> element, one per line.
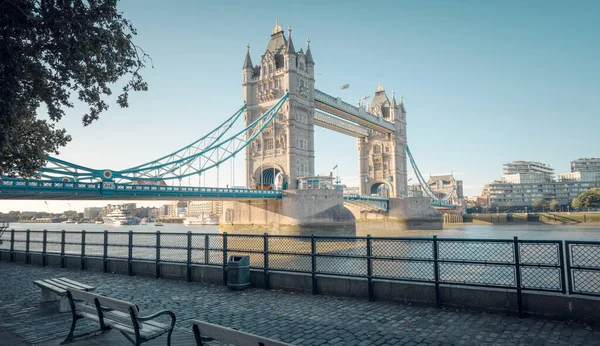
<point x="484" y="82"/>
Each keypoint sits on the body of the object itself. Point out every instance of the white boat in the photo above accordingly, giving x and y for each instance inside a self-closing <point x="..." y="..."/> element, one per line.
<point x="98" y="222"/>
<point x="120" y="217"/>
<point x="209" y="219"/>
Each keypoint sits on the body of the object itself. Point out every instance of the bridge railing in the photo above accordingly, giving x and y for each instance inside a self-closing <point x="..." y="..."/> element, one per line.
<point x="569" y="267"/>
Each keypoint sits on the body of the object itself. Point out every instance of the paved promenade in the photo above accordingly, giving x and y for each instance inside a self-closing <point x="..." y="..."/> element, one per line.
<point x="295" y="318"/>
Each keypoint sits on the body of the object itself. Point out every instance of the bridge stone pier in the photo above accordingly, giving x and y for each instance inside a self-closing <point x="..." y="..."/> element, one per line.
<point x="285" y="149"/>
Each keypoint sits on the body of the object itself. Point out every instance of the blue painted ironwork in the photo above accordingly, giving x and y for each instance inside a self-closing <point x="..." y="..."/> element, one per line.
<point x="435" y="200"/>
<point x="336" y="106"/>
<point x="46" y="189"/>
<point x="378" y="202"/>
<point x="206" y="153"/>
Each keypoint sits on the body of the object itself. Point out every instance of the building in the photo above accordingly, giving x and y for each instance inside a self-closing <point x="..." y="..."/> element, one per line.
<point x="521" y="172"/>
<point x="586" y="164"/>
<point x="91" y="212"/>
<point x="199" y="208"/>
<point x="286" y="148"/>
<point x="441" y="185"/>
<point x="526" y="181"/>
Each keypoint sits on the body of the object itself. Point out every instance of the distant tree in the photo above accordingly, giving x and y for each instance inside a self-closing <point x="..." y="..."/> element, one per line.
<point x="537" y="204"/>
<point x="588" y="199"/>
<point x="71" y="214"/>
<point x="576" y="204"/>
<point x="48" y="50"/>
<point x="554" y="204"/>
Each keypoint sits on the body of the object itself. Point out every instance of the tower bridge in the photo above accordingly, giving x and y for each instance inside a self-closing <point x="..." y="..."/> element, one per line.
<point x="281" y="109"/>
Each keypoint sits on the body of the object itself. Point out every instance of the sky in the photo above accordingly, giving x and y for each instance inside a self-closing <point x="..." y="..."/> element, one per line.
<point x="483" y="82"/>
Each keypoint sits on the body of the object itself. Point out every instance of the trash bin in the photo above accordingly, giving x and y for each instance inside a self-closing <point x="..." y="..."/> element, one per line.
<point x="238" y="272"/>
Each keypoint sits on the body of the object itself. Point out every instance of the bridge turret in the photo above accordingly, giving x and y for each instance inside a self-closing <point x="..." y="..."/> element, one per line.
<point x="284" y="151"/>
<point x="248" y="72"/>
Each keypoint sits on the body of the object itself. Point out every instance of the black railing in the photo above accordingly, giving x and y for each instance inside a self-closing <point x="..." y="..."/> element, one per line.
<point x="522" y="265"/>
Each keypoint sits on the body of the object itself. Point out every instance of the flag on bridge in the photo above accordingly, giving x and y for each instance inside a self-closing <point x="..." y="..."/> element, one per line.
<point x="334" y="167"/>
<point x="345" y="86"/>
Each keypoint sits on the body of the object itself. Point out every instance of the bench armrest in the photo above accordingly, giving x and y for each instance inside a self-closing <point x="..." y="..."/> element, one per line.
<point x="160" y="313"/>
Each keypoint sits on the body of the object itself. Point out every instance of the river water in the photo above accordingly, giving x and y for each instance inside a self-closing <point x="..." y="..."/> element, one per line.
<point x="529" y="231"/>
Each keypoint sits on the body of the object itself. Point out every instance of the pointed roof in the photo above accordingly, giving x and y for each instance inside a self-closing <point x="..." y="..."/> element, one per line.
<point x="277" y="44"/>
<point x="309" y="58"/>
<point x="402" y="104"/>
<point x="394" y="99"/>
<point x="248" y="60"/>
<point x="289" y="49"/>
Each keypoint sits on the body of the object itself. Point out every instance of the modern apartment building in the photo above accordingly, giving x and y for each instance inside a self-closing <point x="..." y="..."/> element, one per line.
<point x="586" y="164"/>
<point x="527" y="181"/>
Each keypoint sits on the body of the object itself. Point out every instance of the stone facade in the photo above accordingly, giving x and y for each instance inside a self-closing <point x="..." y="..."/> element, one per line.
<point x="382" y="156"/>
<point x="285" y="147"/>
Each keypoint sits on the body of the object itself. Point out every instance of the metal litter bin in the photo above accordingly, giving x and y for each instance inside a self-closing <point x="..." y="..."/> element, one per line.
<point x="238" y="272"/>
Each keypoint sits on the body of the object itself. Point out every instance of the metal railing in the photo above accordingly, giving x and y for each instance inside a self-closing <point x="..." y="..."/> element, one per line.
<point x="522" y="265"/>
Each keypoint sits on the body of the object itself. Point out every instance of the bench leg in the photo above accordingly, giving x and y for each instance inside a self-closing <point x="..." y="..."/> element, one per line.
<point x="48" y="296"/>
<point x="64" y="305"/>
<point x="71" y="336"/>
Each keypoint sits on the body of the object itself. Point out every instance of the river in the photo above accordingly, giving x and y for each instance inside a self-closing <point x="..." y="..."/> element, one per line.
<point x="528" y="231"/>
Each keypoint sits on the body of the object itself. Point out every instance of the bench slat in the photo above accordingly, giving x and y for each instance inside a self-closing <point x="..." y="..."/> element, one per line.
<point x="232" y="336"/>
<point x="147" y="332"/>
<point x="83" y="295"/>
<point x="56" y="289"/>
<point x="116" y="304"/>
<point x="57" y="283"/>
<point x="84" y="287"/>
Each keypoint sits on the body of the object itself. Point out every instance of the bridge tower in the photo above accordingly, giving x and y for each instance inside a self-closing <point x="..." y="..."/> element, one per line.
<point x="382" y="156"/>
<point x="284" y="151"/>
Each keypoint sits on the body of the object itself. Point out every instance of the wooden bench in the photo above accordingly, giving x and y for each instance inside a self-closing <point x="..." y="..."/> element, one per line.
<point x="230" y="336"/>
<point x="55" y="289"/>
<point x="116" y="314"/>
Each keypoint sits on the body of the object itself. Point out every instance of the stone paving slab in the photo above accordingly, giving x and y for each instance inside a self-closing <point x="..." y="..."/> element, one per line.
<point x="295" y="318"/>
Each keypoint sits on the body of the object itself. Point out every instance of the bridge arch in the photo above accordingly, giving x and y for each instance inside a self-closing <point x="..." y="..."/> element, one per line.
<point x="268" y="175"/>
<point x="381" y="189"/>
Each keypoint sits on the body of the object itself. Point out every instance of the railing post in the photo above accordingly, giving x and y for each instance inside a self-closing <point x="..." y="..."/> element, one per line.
<point x="313" y="256"/>
<point x="369" y="268"/>
<point x="12" y="245"/>
<point x="83" y="250"/>
<point x="206" y="249"/>
<point x="105" y="253"/>
<point x="44" y="240"/>
<point x="518" y="277"/>
<point x="436" y="272"/>
<point x="189" y="256"/>
<point x="224" y="258"/>
<point x="27" y="236"/>
<point x="562" y="267"/>
<point x="266" y="261"/>
<point x="568" y="263"/>
<point x="157" y="269"/>
<point x="62" y="248"/>
<point x="130" y="255"/>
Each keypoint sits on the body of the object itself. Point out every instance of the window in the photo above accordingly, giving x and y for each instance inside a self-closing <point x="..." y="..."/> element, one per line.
<point x="301" y="66"/>
<point x="268" y="143"/>
<point x="277" y="83"/>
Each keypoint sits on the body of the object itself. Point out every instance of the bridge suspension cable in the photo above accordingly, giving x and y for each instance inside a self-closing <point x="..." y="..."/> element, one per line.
<point x="208" y="152"/>
<point x="424" y="185"/>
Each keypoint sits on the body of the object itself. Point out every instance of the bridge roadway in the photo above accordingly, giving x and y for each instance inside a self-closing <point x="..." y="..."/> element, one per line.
<point x="32" y="189"/>
<point x="47" y="189"/>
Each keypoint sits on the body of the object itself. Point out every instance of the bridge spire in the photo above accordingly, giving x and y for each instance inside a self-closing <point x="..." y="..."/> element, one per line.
<point x="289" y="49"/>
<point x="248" y="60"/>
<point x="277" y="27"/>
<point x="309" y="58"/>
<point x="394" y="99"/>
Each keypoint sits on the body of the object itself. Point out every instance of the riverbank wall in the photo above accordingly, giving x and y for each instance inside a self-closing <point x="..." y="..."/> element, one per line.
<point x="558" y="218"/>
